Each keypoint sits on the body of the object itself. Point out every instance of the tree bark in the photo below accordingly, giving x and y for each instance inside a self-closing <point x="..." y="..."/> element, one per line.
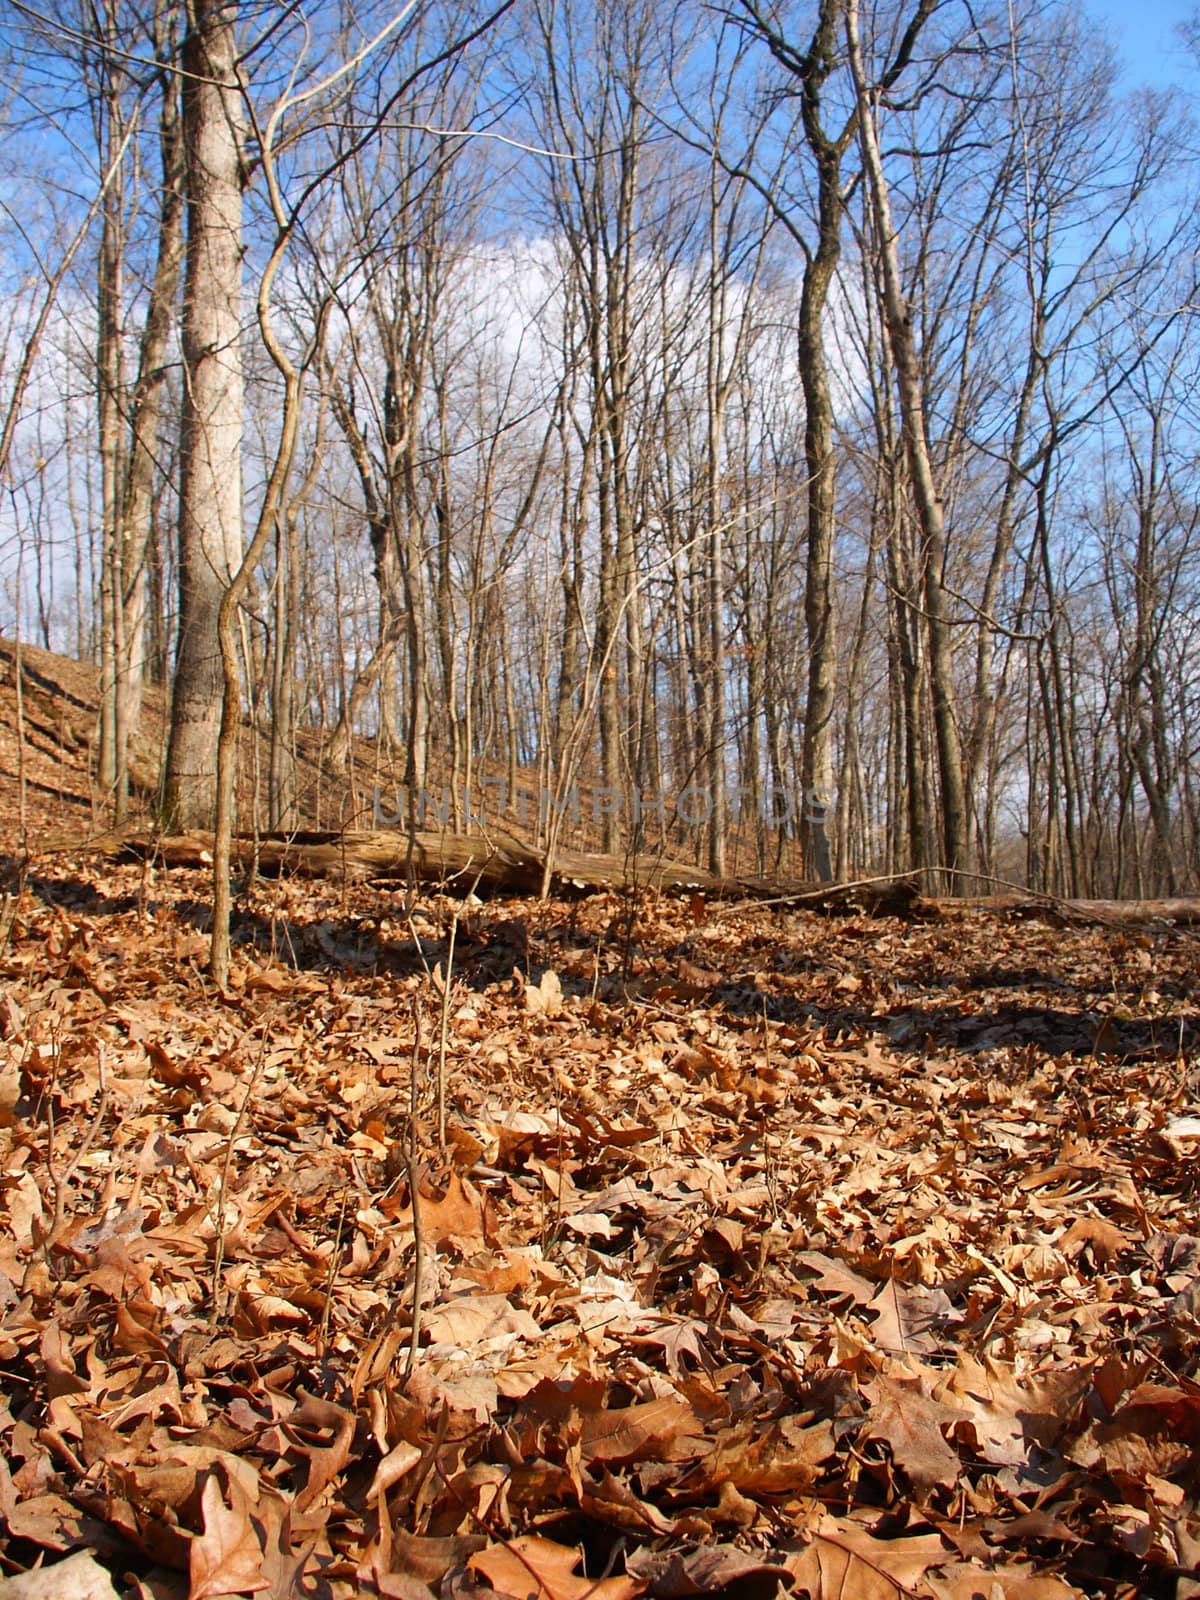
<point x="210" y="510"/>
<point x="108" y="405"/>
<point x="150" y="397"/>
<point x="928" y="500"/>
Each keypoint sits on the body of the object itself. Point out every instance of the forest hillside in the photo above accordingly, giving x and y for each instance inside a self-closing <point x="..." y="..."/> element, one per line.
<point x="628" y="1245"/>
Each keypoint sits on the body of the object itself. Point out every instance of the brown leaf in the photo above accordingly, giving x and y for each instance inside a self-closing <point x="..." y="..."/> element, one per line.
<point x="530" y="1568"/>
<point x="679" y="1337"/>
<point x="676" y="1574"/>
<point x="666" y="1429"/>
<point x="836" y="1278"/>
<point x="785" y="1458"/>
<point x="966" y="1581"/>
<point x="547" y="998"/>
<point x="53" y="1522"/>
<point x="469" y="1319"/>
<point x="906" y="1319"/>
<point x="457" y="1215"/>
<point x="845" y="1562"/>
<point x="61" y="1377"/>
<point x="911" y="1425"/>
<point x="283" y="1567"/>
<point x="430" y="1559"/>
<point x="1105" y="1238"/>
<point x="79" y="1577"/>
<point x="325" y="1461"/>
<point x="227" y="1557"/>
<point x="613" y="1501"/>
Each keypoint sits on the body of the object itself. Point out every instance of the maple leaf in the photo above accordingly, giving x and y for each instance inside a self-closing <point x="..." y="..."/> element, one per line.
<point x="227" y="1557"/>
<point x="843" y="1560"/>
<point x="910" y="1424"/>
<point x="1105" y="1240"/>
<point x="681" y="1336"/>
<point x="531" y="1568"/>
<point x="712" y="1568"/>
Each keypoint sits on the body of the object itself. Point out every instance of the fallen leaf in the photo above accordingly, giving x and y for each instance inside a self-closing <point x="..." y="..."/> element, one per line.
<point x="842" y="1561"/>
<point x="227" y="1557"/>
<point x="547" y="998"/>
<point x="676" y="1574"/>
<point x="1105" y="1239"/>
<point x="910" y="1424"/>
<point x="530" y="1568"/>
<point x="76" y="1578"/>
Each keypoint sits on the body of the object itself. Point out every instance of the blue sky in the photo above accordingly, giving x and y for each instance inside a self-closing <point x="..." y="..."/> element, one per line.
<point x="1142" y="33"/>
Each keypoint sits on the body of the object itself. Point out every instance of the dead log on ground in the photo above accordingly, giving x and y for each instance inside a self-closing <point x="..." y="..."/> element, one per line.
<point x="1181" y="912"/>
<point x="497" y="862"/>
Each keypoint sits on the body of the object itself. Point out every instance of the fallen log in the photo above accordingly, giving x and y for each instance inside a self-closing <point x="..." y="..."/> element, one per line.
<point x="502" y="863"/>
<point x="896" y="895"/>
<point x="1181" y="911"/>
<point x="498" y="862"/>
<point x="495" y="863"/>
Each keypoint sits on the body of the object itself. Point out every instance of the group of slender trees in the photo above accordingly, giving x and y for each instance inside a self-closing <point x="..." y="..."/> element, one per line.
<point x="763" y="432"/>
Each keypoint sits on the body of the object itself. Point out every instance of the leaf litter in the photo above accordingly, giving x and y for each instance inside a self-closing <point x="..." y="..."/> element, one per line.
<point x="764" y="1254"/>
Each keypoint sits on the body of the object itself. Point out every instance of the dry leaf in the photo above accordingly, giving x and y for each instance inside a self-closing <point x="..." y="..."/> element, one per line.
<point x="227" y="1557"/>
<point x="532" y="1567"/>
<point x="546" y="999"/>
<point x="911" y="1425"/>
<point x="79" y="1577"/>
<point x="842" y="1560"/>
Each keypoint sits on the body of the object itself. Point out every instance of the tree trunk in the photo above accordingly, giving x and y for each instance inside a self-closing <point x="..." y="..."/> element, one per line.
<point x="149" y="408"/>
<point x="210" y="509"/>
<point x="813" y="68"/>
<point x="925" y="493"/>
<point x="108" y="405"/>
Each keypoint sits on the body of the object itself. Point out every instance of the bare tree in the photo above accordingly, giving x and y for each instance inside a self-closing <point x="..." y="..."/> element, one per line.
<point x="210" y="499"/>
<point x="925" y="490"/>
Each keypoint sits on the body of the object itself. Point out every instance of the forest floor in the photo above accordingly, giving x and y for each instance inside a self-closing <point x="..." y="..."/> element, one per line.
<point x="764" y="1253"/>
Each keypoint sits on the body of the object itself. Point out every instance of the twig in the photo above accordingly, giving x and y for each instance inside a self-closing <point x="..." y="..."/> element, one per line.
<point x="307" y="1253"/>
<point x="12" y="901"/>
<point x="800" y="897"/>
<point x="770" y="1176"/>
<point x="410" y="1161"/>
<point x="219" y="1220"/>
<point x="447" y="980"/>
<point x="412" y="928"/>
<point x="331" y="1278"/>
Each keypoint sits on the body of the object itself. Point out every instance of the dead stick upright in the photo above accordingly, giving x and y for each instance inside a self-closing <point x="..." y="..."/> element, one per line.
<point x="410" y="1161"/>
<point x="223" y="1194"/>
<point x="447" y="981"/>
